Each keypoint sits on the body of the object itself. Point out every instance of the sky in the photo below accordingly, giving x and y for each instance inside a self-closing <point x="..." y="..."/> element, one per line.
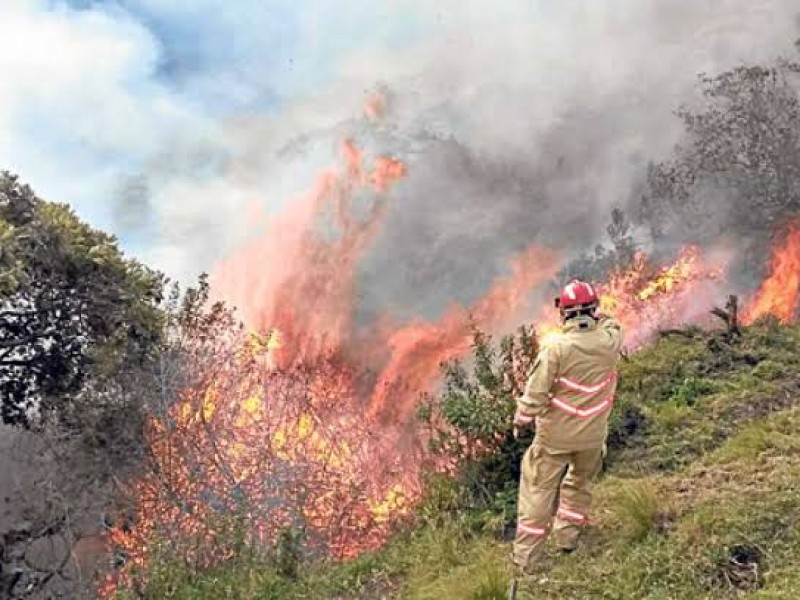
<point x="169" y="122"/>
<point x="99" y="94"/>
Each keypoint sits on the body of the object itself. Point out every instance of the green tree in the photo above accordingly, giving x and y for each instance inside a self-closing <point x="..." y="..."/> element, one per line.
<point x="71" y="305"/>
<point x="597" y="265"/>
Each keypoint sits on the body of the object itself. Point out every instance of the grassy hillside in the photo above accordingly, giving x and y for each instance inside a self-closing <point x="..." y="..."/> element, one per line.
<point x="700" y="499"/>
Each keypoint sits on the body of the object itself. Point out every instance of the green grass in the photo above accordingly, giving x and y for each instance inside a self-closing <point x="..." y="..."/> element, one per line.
<point x="635" y="506"/>
<point x="701" y="500"/>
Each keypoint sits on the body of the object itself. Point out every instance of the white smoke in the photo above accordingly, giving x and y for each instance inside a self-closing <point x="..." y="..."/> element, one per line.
<point x="526" y="123"/>
<point x="520" y="121"/>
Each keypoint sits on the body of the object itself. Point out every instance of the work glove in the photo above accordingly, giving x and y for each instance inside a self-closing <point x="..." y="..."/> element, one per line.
<point x="522" y="423"/>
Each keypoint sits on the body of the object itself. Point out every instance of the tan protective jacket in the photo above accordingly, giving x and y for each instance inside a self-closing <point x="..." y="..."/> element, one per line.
<point x="571" y="389"/>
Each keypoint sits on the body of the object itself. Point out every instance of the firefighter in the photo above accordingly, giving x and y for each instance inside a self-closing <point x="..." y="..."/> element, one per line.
<point x="568" y="397"/>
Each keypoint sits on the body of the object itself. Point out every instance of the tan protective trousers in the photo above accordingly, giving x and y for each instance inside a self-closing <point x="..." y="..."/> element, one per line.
<point x="549" y="476"/>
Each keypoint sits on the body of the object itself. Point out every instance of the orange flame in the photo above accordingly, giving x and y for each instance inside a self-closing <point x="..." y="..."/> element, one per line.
<point x="644" y="299"/>
<point x="303" y="284"/>
<point x="310" y="423"/>
<point x="674" y="275"/>
<point x="419" y="348"/>
<point x="779" y="294"/>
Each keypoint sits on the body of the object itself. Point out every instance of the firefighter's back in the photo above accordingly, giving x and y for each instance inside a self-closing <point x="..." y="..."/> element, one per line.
<point x="583" y="393"/>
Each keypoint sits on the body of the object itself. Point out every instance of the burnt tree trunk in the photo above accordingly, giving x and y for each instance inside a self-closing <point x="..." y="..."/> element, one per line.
<point x="730" y="316"/>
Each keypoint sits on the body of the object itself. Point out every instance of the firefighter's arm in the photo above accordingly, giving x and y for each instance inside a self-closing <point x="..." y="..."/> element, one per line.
<point x="611" y="327"/>
<point x="536" y="397"/>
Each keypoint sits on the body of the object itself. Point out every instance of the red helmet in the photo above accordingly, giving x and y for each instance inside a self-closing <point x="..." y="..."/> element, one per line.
<point x="577" y="295"/>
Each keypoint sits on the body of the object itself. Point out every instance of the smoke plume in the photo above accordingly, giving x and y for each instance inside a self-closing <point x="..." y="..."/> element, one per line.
<point x="520" y="123"/>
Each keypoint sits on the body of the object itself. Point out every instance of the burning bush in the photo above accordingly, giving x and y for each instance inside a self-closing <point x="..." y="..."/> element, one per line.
<point x="252" y="451"/>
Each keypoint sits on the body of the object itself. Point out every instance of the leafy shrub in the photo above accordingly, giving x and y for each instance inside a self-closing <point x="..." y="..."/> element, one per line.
<point x="690" y="389"/>
<point x="470" y="421"/>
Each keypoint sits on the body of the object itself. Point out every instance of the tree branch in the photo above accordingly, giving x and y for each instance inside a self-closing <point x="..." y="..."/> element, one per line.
<point x="23" y="341"/>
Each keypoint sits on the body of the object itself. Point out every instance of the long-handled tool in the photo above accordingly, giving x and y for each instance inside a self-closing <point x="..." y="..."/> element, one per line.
<point x="512" y="590"/>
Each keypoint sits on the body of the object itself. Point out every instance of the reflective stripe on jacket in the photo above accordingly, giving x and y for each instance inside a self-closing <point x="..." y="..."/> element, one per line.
<point x="570" y="391"/>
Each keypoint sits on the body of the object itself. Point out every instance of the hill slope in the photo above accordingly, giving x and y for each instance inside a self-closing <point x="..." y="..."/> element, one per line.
<point x="701" y="499"/>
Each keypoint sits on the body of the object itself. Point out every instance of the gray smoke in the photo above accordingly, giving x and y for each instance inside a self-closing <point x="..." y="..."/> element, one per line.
<point x="520" y="123"/>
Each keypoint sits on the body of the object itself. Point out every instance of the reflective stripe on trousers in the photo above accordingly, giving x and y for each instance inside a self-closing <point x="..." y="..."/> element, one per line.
<point x="568" y="514"/>
<point x="547" y="474"/>
<point x="526" y="529"/>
